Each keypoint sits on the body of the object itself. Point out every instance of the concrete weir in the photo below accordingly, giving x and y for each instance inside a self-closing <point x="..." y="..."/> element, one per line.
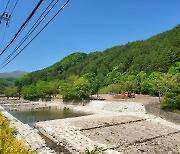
<point x="117" y="127"/>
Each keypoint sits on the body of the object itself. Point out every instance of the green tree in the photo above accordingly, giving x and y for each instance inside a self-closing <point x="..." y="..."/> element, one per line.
<point x="52" y="88"/>
<point x="91" y="78"/>
<point x="174" y="69"/>
<point x="171" y="97"/>
<point x="141" y="81"/>
<point x="66" y="88"/>
<point x="11" y="91"/>
<point x="112" y="88"/>
<point x="41" y="89"/>
<point x="29" y="92"/>
<point x="82" y="88"/>
<point x="75" y="88"/>
<point x="158" y="82"/>
<point x="113" y="76"/>
<point x="128" y="83"/>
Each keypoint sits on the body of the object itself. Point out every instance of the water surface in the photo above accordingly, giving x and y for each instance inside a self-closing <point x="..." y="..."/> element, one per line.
<point x="37" y="115"/>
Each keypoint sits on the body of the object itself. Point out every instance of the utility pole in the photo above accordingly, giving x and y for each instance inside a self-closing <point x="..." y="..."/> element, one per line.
<point x="5" y="17"/>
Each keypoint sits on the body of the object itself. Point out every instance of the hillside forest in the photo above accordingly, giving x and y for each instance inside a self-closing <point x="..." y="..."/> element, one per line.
<point x="149" y="67"/>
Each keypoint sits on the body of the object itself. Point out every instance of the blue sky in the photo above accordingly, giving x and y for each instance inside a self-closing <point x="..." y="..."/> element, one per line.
<point x="87" y="26"/>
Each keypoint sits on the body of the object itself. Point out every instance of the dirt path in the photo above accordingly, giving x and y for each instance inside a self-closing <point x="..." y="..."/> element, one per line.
<point x="145" y="99"/>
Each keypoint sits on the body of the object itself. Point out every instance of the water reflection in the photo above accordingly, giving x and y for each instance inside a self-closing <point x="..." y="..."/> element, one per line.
<point x="45" y="114"/>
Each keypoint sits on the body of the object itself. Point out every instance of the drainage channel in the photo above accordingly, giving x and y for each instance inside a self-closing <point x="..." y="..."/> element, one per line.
<point x="53" y="146"/>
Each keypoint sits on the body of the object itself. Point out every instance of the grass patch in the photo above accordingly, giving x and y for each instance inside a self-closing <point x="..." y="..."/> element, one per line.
<point x="176" y="111"/>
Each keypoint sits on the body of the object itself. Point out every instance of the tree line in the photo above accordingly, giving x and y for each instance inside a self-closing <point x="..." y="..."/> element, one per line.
<point x="145" y="67"/>
<point x="164" y="85"/>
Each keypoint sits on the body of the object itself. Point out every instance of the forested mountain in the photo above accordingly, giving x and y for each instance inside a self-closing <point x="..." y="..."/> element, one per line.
<point x="148" y="67"/>
<point x="15" y="74"/>
<point x="155" y="54"/>
<point x="5" y="82"/>
<point x="8" y="79"/>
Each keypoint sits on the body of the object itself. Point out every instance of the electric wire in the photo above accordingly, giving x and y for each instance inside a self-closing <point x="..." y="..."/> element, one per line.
<point x="22" y="26"/>
<point x="6" y="6"/>
<point x="9" y="17"/>
<point x="36" y="34"/>
<point x="33" y="28"/>
<point x="4" y="13"/>
<point x="13" y="8"/>
<point x="10" y="6"/>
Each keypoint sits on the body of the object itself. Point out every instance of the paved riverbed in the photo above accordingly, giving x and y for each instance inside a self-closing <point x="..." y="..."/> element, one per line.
<point x="118" y="127"/>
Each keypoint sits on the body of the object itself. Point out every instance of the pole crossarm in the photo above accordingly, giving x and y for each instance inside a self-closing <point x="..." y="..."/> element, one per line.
<point x="4" y="18"/>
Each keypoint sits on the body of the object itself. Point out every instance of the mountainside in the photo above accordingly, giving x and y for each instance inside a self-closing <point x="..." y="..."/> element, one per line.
<point x="15" y="74"/>
<point x="5" y="82"/>
<point x="157" y="53"/>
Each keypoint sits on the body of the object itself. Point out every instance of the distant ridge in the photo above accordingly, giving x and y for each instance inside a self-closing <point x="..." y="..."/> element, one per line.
<point x="15" y="74"/>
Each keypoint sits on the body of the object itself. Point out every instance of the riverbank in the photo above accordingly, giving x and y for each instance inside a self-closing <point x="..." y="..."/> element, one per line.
<point x="27" y="135"/>
<point x="116" y="126"/>
<point x="122" y="127"/>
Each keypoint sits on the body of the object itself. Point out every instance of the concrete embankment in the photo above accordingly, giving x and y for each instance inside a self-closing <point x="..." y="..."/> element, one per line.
<point x="117" y="127"/>
<point x="27" y="135"/>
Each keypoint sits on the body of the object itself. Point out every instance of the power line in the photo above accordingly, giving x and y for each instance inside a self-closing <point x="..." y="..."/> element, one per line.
<point x="37" y="34"/>
<point x="13" y="8"/>
<point x="22" y="26"/>
<point x="10" y="6"/>
<point x="6" y="17"/>
<point x="32" y="29"/>
<point x="6" y="6"/>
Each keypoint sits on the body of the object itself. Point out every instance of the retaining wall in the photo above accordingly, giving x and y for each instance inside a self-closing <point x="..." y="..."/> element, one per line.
<point x="172" y="117"/>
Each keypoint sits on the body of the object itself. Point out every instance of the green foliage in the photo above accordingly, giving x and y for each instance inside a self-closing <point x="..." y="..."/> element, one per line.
<point x="145" y="67"/>
<point x="82" y="88"/>
<point x="29" y="92"/>
<point x="5" y="82"/>
<point x="96" y="150"/>
<point x="113" y="76"/>
<point x="156" y="54"/>
<point x="75" y="88"/>
<point x="171" y="97"/>
<point x="8" y="143"/>
<point x="11" y="91"/>
<point x="129" y="83"/>
<point x="110" y="89"/>
<point x="174" y="69"/>
<point x="41" y="89"/>
<point x="94" y="82"/>
<point x="14" y="131"/>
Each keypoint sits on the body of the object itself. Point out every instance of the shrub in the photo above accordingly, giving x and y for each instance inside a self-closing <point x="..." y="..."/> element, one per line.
<point x="96" y="150"/>
<point x="8" y="143"/>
